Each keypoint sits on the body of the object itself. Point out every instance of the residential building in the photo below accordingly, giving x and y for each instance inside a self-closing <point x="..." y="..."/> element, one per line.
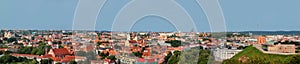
<point x="282" y="48"/>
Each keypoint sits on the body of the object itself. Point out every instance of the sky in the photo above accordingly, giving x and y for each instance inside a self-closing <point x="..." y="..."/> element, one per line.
<point x="240" y="15"/>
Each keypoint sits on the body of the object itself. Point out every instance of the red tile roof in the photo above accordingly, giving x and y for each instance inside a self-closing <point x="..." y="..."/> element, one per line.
<point x="55" y="58"/>
<point x="45" y="56"/>
<point x="140" y="60"/>
<point x="61" y="51"/>
<point x="111" y="52"/>
<point x="89" y="47"/>
<point x="3" y="49"/>
<point x="151" y="60"/>
<point x="68" y="59"/>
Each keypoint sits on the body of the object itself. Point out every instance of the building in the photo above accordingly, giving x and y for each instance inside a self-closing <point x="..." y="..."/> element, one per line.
<point x="282" y="48"/>
<point x="62" y="55"/>
<point x="8" y="34"/>
<point x="223" y="54"/>
<point x="261" y="40"/>
<point x="145" y="61"/>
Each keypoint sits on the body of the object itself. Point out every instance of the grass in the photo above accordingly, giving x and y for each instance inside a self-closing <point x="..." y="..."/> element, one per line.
<point x="252" y="52"/>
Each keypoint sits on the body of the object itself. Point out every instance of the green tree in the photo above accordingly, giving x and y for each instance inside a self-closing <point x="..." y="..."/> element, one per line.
<point x="1" y="41"/>
<point x="203" y="57"/>
<point x="138" y="54"/>
<point x="33" y="62"/>
<point x="10" y="40"/>
<point x="46" y="61"/>
<point x="34" y="51"/>
<point x="99" y="43"/>
<point x="167" y="57"/>
<point x="73" y="62"/>
<point x="8" y="59"/>
<point x="6" y="52"/>
<point x="174" y="59"/>
<point x="40" y="52"/>
<point x="174" y="43"/>
<point x="112" y="57"/>
<point x="60" y="46"/>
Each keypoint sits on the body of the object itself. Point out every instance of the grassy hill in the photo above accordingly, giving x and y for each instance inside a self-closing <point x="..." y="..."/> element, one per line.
<point x="251" y="55"/>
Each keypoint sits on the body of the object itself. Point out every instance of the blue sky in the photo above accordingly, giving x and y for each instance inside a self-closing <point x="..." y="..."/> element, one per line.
<point x="240" y="15"/>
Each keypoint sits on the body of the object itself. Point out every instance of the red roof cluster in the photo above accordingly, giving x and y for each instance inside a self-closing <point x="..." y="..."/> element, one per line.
<point x="3" y="49"/>
<point x="151" y="60"/>
<point x="140" y="60"/>
<point x="144" y="60"/>
<point x="45" y="56"/>
<point x="67" y="59"/>
<point x="61" y="51"/>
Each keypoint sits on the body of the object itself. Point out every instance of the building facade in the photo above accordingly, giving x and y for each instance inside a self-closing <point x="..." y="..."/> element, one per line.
<point x="282" y="48"/>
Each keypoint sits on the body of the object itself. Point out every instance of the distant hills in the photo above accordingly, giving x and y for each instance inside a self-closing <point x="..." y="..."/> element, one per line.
<point x="271" y="32"/>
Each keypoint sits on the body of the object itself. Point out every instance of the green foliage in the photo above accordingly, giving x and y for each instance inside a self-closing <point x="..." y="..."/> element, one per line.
<point x="10" y="40"/>
<point x="103" y="55"/>
<point x="174" y="59"/>
<point x="6" y="52"/>
<point x="203" y="56"/>
<point x="138" y="54"/>
<point x="190" y="56"/>
<point x="1" y="41"/>
<point x="241" y="47"/>
<point x="11" y="59"/>
<point x="112" y="57"/>
<point x="46" y="61"/>
<point x="33" y="62"/>
<point x="8" y="59"/>
<point x="3" y="46"/>
<point x="287" y="42"/>
<point x="73" y="62"/>
<point x="173" y="36"/>
<point x="256" y="56"/>
<point x="5" y="39"/>
<point x="167" y="57"/>
<point x="40" y="50"/>
<point x="239" y="35"/>
<point x="99" y="43"/>
<point x="60" y="46"/>
<point x="174" y="43"/>
<point x="34" y="51"/>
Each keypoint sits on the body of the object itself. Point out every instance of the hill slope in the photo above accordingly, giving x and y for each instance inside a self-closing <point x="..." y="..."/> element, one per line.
<point x="251" y="55"/>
